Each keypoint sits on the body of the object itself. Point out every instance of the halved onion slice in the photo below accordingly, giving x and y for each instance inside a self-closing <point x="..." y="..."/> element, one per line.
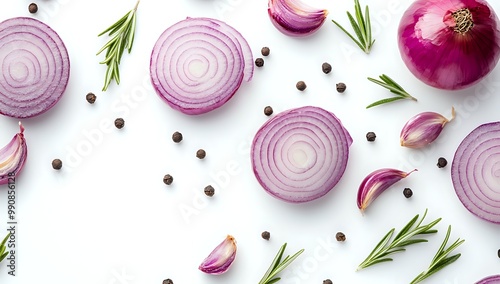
<point x="300" y="154"/>
<point x="198" y="64"/>
<point x="475" y="172"/>
<point x="35" y="67"/>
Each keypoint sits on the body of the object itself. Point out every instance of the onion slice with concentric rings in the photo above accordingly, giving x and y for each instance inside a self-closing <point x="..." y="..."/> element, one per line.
<point x="300" y="154"/>
<point x="35" y="67"/>
<point x="198" y="64"/>
<point x="475" y="172"/>
<point x="493" y="279"/>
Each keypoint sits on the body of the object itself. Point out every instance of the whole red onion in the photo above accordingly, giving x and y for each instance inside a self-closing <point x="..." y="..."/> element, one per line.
<point x="449" y="44"/>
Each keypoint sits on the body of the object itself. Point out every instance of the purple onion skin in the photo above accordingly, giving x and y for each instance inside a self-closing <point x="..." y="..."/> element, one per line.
<point x="494" y="279"/>
<point x="441" y="57"/>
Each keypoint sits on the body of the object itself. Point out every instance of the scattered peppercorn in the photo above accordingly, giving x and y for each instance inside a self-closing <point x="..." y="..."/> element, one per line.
<point x="168" y="281"/>
<point x="259" y="62"/>
<point x="265" y="51"/>
<point x="266" y="235"/>
<point x="340" y="237"/>
<point x="168" y="179"/>
<point x="56" y="164"/>
<point x="407" y="192"/>
<point x="340" y="87"/>
<point x="442" y="162"/>
<point x="119" y="123"/>
<point x="91" y="98"/>
<point x="498" y="253"/>
<point x="370" y="136"/>
<point x="327" y="68"/>
<point x="327" y="281"/>
<point x="268" y="110"/>
<point x="177" y="137"/>
<point x="301" y="85"/>
<point x="201" y="154"/>
<point x="33" y="8"/>
<point x="209" y="190"/>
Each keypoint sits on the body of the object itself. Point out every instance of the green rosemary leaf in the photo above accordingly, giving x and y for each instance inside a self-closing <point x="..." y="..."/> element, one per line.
<point x="348" y="34"/>
<point x="277" y="266"/>
<point x="384" y="101"/>
<point x="357" y="29"/>
<point x="388" y="83"/>
<point x="361" y="26"/>
<point x="368" y="25"/>
<point x="123" y="33"/>
<point x="3" y="252"/>
<point x="361" y="20"/>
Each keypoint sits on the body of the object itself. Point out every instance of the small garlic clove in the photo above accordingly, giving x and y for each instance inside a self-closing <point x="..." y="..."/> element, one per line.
<point x="423" y="129"/>
<point x="13" y="156"/>
<point x="295" y="18"/>
<point x="221" y="258"/>
<point x="376" y="183"/>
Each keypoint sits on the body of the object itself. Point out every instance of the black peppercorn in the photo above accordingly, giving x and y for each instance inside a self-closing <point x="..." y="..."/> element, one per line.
<point x="442" y="162"/>
<point x="168" y="179"/>
<point x="90" y="97"/>
<point x="209" y="190"/>
<point x="327" y="281"/>
<point x="340" y="87"/>
<point x="301" y="85"/>
<point x="370" y="136"/>
<point x="407" y="192"/>
<point x="326" y="67"/>
<point x="119" y="123"/>
<point x="33" y="8"/>
<point x="201" y="154"/>
<point x="268" y="110"/>
<point x="56" y="164"/>
<point x="498" y="253"/>
<point x="340" y="237"/>
<point x="266" y="235"/>
<point x="259" y="62"/>
<point x="167" y="281"/>
<point x="265" y="51"/>
<point x="177" y="137"/>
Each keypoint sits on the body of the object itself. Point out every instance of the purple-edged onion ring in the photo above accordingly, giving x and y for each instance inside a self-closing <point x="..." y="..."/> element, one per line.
<point x="300" y="154"/>
<point x="35" y="67"/>
<point x="198" y="64"/>
<point x="493" y="279"/>
<point x="475" y="172"/>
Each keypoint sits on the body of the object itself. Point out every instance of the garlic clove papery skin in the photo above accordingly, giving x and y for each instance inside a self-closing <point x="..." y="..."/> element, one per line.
<point x="13" y="156"/>
<point x="377" y="182"/>
<point x="221" y="258"/>
<point x="423" y="129"/>
<point x="295" y="18"/>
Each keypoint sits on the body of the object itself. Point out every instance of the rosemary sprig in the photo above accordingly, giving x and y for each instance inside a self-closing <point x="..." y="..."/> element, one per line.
<point x="441" y="259"/>
<point x="3" y="252"/>
<point x="277" y="266"/>
<point x="362" y="27"/>
<point x="404" y="238"/>
<point x="123" y="32"/>
<point x="388" y="83"/>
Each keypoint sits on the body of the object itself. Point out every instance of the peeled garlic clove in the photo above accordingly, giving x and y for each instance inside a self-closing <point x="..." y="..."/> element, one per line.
<point x="376" y="183"/>
<point x="295" y="18"/>
<point x="423" y="128"/>
<point x="221" y="258"/>
<point x="13" y="156"/>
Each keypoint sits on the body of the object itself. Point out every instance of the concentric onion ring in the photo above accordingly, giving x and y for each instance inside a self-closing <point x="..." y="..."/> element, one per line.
<point x="493" y="279"/>
<point x="198" y="64"/>
<point x="300" y="154"/>
<point x="475" y="172"/>
<point x="35" y="67"/>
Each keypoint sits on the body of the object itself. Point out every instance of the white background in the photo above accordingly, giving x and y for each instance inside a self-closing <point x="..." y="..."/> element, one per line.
<point x="107" y="217"/>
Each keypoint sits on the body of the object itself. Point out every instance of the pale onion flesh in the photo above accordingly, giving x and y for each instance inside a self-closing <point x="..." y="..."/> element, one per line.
<point x="300" y="154"/>
<point x="295" y="18"/>
<point x="475" y="172"/>
<point x="198" y="64"/>
<point x="13" y="157"/>
<point x="35" y="67"/>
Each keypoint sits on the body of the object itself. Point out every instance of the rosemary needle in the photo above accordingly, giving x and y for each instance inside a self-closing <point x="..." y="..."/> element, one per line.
<point x="361" y="26"/>
<point x="277" y="266"/>
<point x="3" y="252"/>
<point x="123" y="32"/>
<point x="388" y="83"/>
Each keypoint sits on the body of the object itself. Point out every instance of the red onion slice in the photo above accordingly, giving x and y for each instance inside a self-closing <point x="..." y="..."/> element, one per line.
<point x="493" y="279"/>
<point x="198" y="64"/>
<point x="475" y="172"/>
<point x="300" y="154"/>
<point x="35" y="67"/>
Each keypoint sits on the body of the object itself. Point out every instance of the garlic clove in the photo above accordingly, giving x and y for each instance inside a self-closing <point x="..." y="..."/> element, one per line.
<point x="221" y="258"/>
<point x="13" y="156"/>
<point x="376" y="183"/>
<point x="295" y="18"/>
<point x="423" y="129"/>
